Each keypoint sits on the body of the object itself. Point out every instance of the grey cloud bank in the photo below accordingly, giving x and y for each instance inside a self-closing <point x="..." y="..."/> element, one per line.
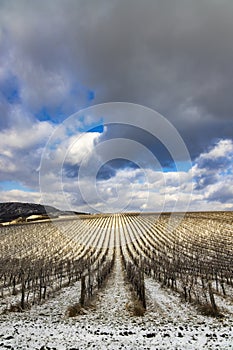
<point x="173" y="56"/>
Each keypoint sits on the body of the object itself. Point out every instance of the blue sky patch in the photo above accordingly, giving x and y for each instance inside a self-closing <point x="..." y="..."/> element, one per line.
<point x="171" y="167"/>
<point x="10" y="89"/>
<point x="90" y="95"/>
<point x="56" y="115"/>
<point x="14" y="185"/>
<point x="98" y="128"/>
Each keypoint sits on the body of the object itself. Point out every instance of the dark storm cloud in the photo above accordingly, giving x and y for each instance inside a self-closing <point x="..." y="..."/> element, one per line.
<point x="144" y="138"/>
<point x="201" y="182"/>
<point x="222" y="195"/>
<point x="173" y="56"/>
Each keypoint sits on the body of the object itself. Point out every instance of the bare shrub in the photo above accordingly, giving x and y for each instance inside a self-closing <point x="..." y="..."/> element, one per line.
<point x="74" y="310"/>
<point x="208" y="310"/>
<point x="138" y="309"/>
<point x="135" y="307"/>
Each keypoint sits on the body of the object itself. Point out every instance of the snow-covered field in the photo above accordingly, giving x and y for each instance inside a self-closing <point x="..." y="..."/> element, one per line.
<point x="167" y="324"/>
<point x="108" y="322"/>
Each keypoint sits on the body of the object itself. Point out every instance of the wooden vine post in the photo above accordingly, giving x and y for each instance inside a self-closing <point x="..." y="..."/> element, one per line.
<point x="83" y="290"/>
<point x="22" y="304"/>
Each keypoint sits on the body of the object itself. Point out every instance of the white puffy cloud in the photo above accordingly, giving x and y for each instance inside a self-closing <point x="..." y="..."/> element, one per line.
<point x="24" y="138"/>
<point x="20" y="196"/>
<point x="80" y="147"/>
<point x="21" y="147"/>
<point x="131" y="189"/>
<point x="223" y="148"/>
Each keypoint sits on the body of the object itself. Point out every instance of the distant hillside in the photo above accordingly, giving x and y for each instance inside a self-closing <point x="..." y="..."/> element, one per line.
<point x="12" y="210"/>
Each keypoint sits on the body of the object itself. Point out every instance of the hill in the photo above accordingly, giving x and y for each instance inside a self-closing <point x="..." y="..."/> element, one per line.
<point x="13" y="210"/>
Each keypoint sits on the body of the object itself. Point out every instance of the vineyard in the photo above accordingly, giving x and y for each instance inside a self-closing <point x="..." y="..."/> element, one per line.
<point x="131" y="263"/>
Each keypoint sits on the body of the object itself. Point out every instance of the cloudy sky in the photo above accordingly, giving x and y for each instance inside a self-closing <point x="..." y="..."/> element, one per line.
<point x="61" y="58"/>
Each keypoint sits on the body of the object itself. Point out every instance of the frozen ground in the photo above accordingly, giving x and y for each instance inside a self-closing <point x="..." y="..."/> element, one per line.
<point x="167" y="324"/>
